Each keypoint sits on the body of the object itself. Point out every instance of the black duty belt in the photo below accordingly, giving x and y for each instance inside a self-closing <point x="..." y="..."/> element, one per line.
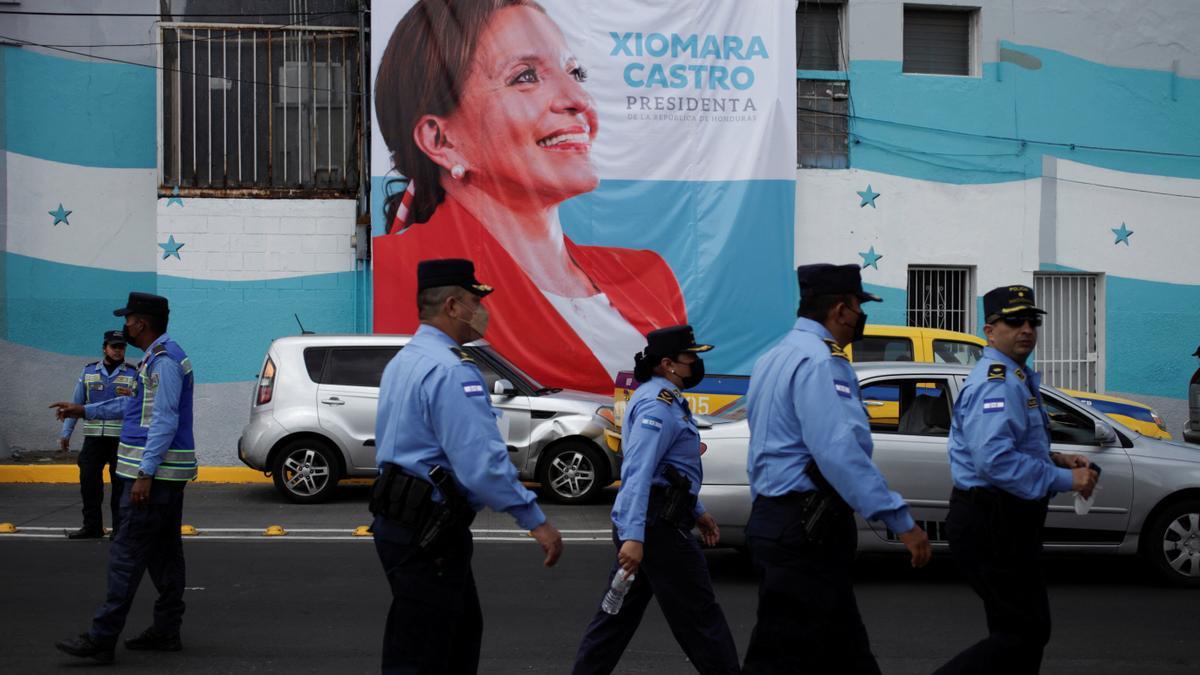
<point x="408" y="501"/>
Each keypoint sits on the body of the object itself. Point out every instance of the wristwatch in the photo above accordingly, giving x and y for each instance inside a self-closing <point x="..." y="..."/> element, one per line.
<point x="143" y="474"/>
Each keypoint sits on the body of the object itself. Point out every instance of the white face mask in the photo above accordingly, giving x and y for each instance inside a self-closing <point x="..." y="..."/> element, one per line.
<point x="478" y="321"/>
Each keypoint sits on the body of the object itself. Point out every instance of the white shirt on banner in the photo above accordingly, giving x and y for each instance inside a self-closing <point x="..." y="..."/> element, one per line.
<point x="612" y="339"/>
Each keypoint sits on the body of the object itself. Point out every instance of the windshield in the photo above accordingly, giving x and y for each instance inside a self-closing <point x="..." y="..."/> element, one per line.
<point x="487" y="349"/>
<point x="954" y="351"/>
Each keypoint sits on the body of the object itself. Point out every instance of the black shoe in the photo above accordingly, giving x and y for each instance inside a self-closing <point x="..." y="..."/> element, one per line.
<point x="85" y="647"/>
<point x="152" y="640"/>
<point x="86" y="533"/>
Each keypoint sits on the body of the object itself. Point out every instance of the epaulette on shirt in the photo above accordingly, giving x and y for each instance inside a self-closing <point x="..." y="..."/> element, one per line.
<point x="93" y="363"/>
<point x="159" y="349"/>
<point x="997" y="372"/>
<point x="462" y="355"/>
<point x="836" y="350"/>
<point x="666" y="396"/>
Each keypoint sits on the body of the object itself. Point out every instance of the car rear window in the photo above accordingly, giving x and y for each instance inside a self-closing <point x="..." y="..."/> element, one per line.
<point x="357" y="366"/>
<point x="879" y="348"/>
<point x="954" y="351"/>
<point x="314" y="361"/>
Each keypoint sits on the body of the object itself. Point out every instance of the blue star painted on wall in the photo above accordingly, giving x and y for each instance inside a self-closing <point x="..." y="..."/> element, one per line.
<point x="868" y="197"/>
<point x="171" y="248"/>
<point x="175" y="198"/>
<point x="60" y="215"/>
<point x="871" y="259"/>
<point x="1122" y="233"/>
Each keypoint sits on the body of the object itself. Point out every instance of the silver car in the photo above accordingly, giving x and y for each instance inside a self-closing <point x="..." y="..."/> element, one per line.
<point x="1147" y="502"/>
<point x="312" y="420"/>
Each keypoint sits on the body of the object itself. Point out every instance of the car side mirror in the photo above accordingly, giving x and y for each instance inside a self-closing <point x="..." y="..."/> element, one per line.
<point x="1105" y="435"/>
<point x="504" y="388"/>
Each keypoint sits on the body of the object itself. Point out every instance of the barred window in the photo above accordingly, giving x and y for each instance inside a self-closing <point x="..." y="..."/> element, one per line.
<point x="938" y="40"/>
<point x="822" y="124"/>
<point x="261" y="110"/>
<point x="819" y="35"/>
<point x="941" y="297"/>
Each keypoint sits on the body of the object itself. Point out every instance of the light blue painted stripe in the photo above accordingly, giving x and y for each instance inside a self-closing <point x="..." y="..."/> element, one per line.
<point x="1067" y="99"/>
<point x="80" y="112"/>
<point x="225" y="326"/>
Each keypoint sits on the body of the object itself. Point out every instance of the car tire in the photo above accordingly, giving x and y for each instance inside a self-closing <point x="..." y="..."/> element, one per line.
<point x="572" y="472"/>
<point x="306" y="471"/>
<point x="1171" y="543"/>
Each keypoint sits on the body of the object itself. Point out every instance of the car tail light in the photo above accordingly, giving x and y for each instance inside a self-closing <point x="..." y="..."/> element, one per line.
<point x="266" y="383"/>
<point x="703" y="447"/>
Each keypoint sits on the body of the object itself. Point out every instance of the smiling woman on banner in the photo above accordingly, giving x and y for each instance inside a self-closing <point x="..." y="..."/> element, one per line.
<point x="483" y="108"/>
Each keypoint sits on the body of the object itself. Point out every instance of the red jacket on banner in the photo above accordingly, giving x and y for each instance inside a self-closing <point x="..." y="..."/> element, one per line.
<point x="525" y="327"/>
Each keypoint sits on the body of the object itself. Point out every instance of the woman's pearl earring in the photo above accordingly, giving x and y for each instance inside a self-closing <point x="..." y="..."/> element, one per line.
<point x="458" y="171"/>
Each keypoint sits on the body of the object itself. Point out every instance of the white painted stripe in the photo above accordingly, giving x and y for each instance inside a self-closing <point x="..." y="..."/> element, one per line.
<point x="111" y="221"/>
<point x="289" y="537"/>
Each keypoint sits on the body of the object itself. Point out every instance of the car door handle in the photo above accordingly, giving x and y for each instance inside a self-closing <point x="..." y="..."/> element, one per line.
<point x="333" y="400"/>
<point x="873" y="404"/>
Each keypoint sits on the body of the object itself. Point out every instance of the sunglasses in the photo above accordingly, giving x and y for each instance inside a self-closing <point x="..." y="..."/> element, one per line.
<point x="1018" y="321"/>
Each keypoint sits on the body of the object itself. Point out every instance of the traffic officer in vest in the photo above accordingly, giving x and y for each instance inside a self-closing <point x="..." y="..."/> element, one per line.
<point x="441" y="459"/>
<point x="156" y="458"/>
<point x="653" y="517"/>
<point x="100" y="381"/>
<point x="1004" y="475"/>
<point x="810" y="469"/>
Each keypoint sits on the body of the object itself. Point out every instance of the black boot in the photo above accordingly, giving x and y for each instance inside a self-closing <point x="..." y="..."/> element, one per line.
<point x="152" y="640"/>
<point x="85" y="647"/>
<point x="86" y="533"/>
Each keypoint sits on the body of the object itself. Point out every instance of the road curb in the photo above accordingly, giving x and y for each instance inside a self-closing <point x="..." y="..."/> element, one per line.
<point x="69" y="473"/>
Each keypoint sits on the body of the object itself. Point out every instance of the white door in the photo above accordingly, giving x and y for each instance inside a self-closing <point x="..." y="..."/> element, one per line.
<point x="1068" y="352"/>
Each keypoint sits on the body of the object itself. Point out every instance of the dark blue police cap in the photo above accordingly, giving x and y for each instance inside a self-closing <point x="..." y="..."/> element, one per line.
<point x="673" y="340"/>
<point x="450" y="272"/>
<point x="113" y="337"/>
<point x="144" y="303"/>
<point x="826" y="279"/>
<point x="1009" y="301"/>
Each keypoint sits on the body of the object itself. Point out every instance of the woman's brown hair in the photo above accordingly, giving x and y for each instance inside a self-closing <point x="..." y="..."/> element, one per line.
<point x="422" y="72"/>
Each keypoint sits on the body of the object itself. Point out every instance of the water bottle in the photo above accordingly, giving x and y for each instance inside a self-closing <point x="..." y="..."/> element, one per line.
<point x="621" y="582"/>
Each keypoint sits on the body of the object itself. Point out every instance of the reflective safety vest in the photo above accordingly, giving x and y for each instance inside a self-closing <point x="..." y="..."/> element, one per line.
<point x="98" y="388"/>
<point x="179" y="463"/>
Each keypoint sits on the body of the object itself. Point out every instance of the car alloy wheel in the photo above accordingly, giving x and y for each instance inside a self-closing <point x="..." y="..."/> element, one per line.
<point x="1171" y="543"/>
<point x="306" y="471"/>
<point x="1181" y="544"/>
<point x="572" y="472"/>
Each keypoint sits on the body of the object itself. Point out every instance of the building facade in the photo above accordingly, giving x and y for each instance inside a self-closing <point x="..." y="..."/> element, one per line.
<point x="948" y="148"/>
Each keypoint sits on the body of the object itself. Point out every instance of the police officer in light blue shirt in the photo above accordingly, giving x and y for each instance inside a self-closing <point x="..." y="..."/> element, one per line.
<point x="810" y="469"/>
<point x="100" y="381"/>
<point x="655" y="511"/>
<point x="1004" y="475"/>
<point x="441" y="459"/>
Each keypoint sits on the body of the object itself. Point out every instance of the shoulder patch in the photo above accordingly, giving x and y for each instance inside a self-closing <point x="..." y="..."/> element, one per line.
<point x="473" y="388"/>
<point x="652" y="423"/>
<point x="842" y="388"/>
<point x="666" y="396"/>
<point x="997" y="371"/>
<point x="1032" y="402"/>
<point x="993" y="405"/>
<point x="836" y="350"/>
<point x="462" y="355"/>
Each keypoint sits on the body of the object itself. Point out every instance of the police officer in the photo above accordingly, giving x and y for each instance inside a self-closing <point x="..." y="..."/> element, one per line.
<point x="655" y="512"/>
<point x="100" y="381"/>
<point x="441" y="459"/>
<point x="810" y="470"/>
<point x="155" y="459"/>
<point x="1004" y="475"/>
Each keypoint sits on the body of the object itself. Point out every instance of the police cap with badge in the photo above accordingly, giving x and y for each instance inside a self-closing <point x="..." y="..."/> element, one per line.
<point x="1010" y="301"/>
<point x="673" y="340"/>
<point x="450" y="272"/>
<point x="114" y="337"/>
<point x="828" y="279"/>
<point x="144" y="303"/>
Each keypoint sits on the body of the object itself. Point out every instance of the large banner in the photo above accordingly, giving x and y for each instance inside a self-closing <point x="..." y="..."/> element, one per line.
<point x="611" y="167"/>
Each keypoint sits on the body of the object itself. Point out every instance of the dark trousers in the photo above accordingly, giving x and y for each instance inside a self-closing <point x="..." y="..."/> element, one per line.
<point x="96" y="452"/>
<point x="996" y="539"/>
<point x="674" y="570"/>
<point x="808" y="620"/>
<point x="147" y="541"/>
<point x="434" y="624"/>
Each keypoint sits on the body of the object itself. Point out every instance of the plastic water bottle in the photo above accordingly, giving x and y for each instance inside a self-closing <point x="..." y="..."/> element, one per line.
<point x="615" y="596"/>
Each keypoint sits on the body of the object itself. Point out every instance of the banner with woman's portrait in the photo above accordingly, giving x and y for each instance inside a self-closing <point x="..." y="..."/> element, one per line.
<point x="610" y="166"/>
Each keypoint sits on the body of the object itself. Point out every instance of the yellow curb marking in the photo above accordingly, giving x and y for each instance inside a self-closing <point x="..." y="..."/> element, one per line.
<point x="8" y="528"/>
<point x="188" y="530"/>
<point x="274" y="531"/>
<point x="362" y="531"/>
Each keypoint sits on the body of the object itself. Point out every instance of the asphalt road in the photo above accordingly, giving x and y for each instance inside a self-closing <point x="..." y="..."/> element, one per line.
<point x="314" y="601"/>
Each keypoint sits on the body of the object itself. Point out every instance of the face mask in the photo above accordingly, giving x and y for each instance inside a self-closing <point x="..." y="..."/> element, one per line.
<point x="126" y="334"/>
<point x="696" y="376"/>
<point x="860" y="327"/>
<point x="478" y="321"/>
